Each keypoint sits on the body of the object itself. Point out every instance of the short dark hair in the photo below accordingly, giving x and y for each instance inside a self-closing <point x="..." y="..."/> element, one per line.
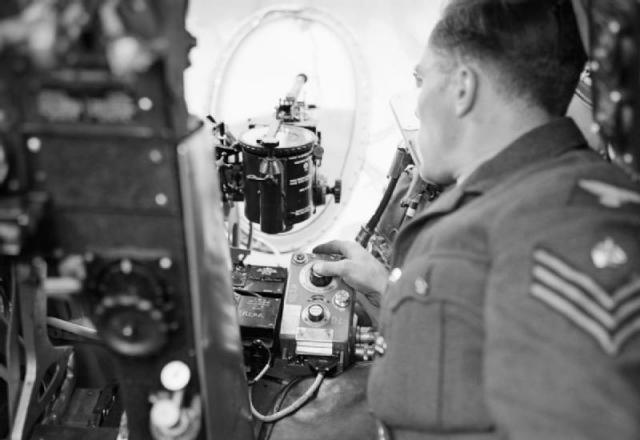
<point x="533" y="45"/>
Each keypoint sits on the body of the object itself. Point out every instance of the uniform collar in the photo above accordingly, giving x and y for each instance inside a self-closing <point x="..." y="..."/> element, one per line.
<point x="540" y="144"/>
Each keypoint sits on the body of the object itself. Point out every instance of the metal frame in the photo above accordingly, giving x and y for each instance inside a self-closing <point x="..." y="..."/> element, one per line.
<point x="29" y="300"/>
<point x="216" y="332"/>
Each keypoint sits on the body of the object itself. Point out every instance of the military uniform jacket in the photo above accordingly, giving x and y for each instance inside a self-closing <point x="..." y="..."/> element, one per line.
<point x="514" y="311"/>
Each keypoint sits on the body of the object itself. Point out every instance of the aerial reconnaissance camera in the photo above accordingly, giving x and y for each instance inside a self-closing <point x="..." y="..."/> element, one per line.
<point x="274" y="168"/>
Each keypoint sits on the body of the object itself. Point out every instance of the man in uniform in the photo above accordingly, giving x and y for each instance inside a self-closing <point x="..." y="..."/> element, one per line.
<point x="513" y="309"/>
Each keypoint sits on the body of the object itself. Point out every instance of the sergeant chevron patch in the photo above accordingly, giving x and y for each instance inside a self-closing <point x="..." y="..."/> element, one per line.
<point x="612" y="318"/>
<point x="609" y="195"/>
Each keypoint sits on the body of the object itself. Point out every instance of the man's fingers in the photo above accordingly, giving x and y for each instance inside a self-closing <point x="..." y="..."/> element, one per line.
<point x="349" y="249"/>
<point x="331" y="268"/>
<point x="331" y="247"/>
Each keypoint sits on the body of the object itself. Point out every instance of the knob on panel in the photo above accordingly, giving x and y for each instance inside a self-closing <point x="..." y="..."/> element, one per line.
<point x="342" y="298"/>
<point x="319" y="280"/>
<point x="315" y="313"/>
<point x="300" y="258"/>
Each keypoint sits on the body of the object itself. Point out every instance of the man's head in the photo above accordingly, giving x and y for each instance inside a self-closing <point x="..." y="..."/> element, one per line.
<point x="493" y="63"/>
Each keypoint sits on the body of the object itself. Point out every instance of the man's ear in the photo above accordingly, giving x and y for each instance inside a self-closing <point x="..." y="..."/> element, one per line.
<point x="465" y="89"/>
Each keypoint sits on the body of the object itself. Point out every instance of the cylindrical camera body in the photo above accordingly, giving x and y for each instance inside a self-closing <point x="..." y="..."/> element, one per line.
<point x="294" y="154"/>
<point x="272" y="207"/>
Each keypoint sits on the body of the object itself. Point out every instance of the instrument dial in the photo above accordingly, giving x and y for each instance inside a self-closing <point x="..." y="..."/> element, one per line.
<point x="131" y="326"/>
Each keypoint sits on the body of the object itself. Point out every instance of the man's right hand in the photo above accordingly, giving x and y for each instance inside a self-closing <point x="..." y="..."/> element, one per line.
<point x="359" y="269"/>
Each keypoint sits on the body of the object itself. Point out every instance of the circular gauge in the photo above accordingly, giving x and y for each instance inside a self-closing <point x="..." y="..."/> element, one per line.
<point x="175" y="375"/>
<point x="131" y="326"/>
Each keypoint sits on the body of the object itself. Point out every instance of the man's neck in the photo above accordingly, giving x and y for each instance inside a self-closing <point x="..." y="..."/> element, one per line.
<point x="489" y="135"/>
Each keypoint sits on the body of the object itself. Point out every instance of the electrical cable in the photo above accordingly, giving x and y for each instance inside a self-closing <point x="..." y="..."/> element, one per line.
<point x="250" y="238"/>
<point x="262" y="372"/>
<point x="234" y="220"/>
<point x="267" y="365"/>
<point x="73" y="328"/>
<point x="367" y="230"/>
<point x="267" y="428"/>
<point x="234" y="235"/>
<point x="294" y="406"/>
<point x="400" y="162"/>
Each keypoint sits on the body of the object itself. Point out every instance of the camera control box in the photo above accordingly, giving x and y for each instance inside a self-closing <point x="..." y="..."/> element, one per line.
<point x="317" y="316"/>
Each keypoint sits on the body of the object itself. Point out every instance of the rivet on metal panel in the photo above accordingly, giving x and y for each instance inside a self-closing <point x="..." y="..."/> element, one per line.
<point x="165" y="263"/>
<point x="161" y="199"/>
<point x="145" y="103"/>
<point x="34" y="144"/>
<point x="155" y="156"/>
<point x="126" y="266"/>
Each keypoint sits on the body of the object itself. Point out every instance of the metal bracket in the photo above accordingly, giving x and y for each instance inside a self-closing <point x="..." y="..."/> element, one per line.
<point x="45" y="365"/>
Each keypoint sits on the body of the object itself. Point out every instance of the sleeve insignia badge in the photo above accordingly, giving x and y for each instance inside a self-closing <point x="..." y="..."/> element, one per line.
<point x="608" y="254"/>
<point x="611" y="318"/>
<point x="421" y="286"/>
<point x="608" y="195"/>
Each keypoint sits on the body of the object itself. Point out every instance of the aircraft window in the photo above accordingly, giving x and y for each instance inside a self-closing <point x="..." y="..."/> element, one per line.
<point x="354" y="64"/>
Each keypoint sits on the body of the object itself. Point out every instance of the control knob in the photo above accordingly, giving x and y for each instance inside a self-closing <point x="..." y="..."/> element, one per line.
<point x="342" y="299"/>
<point x="315" y="313"/>
<point x="319" y="280"/>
